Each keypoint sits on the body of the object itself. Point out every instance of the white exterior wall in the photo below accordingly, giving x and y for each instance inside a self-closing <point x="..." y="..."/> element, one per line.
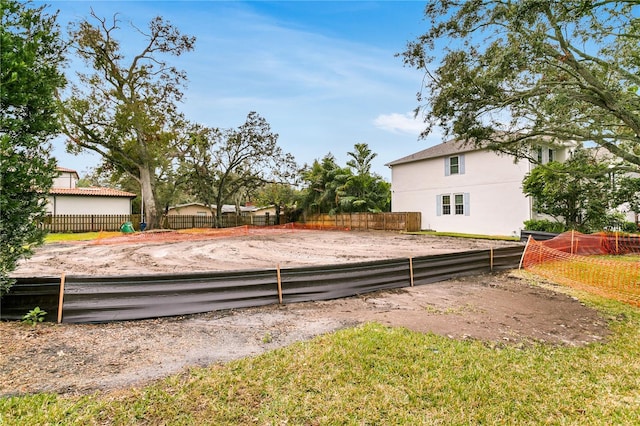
<point x="497" y="205"/>
<point x="70" y="204"/>
<point x="65" y="180"/>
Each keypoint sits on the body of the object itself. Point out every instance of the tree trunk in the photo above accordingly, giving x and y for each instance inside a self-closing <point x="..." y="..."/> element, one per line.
<point x="149" y="198"/>
<point x="218" y="212"/>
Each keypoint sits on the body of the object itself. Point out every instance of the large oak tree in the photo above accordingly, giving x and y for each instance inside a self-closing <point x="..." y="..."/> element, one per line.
<point x="220" y="164"/>
<point x="126" y="110"/>
<point x="532" y="71"/>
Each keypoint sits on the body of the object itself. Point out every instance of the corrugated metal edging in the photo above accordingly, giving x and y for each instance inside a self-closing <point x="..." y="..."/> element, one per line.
<point x="430" y="269"/>
<point x="27" y="293"/>
<point x="102" y="299"/>
<point x="536" y="235"/>
<point x="335" y="281"/>
<point x="507" y="257"/>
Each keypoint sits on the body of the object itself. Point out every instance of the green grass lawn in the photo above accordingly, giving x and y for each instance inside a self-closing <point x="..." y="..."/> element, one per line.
<point x="459" y="235"/>
<point x="80" y="236"/>
<point x="377" y="375"/>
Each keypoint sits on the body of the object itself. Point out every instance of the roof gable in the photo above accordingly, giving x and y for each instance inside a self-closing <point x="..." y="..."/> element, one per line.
<point x="450" y="147"/>
<point x="66" y="170"/>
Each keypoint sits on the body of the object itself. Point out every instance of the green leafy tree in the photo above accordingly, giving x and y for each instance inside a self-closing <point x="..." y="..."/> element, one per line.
<point x="32" y="54"/>
<point x="577" y="192"/>
<point x="322" y="182"/>
<point x="220" y="164"/>
<point x="532" y="70"/>
<point x="280" y="195"/>
<point x="126" y="111"/>
<point x="626" y="190"/>
<point x="334" y="189"/>
<point x="364" y="191"/>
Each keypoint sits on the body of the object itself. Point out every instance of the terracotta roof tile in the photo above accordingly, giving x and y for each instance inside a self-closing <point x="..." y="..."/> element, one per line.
<point x="92" y="192"/>
<point x="66" y="170"/>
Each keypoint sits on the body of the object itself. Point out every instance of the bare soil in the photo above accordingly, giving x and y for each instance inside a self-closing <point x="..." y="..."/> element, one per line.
<point x="499" y="309"/>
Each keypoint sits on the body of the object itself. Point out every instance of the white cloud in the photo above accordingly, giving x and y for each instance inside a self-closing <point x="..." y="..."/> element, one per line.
<point x="400" y="123"/>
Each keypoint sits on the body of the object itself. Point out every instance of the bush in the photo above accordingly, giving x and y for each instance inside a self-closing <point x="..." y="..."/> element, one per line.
<point x="629" y="227"/>
<point x="544" y="225"/>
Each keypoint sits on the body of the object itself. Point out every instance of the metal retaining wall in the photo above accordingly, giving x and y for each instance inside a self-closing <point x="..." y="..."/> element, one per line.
<point x="335" y="281"/>
<point x="104" y="299"/>
<point x="27" y="293"/>
<point x="536" y="235"/>
<point x="119" y="298"/>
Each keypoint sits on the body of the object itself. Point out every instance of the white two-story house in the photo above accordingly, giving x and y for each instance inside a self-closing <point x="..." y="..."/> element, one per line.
<point x="459" y="187"/>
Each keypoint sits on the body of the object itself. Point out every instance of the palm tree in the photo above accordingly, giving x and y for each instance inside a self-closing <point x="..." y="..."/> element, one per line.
<point x="363" y="191"/>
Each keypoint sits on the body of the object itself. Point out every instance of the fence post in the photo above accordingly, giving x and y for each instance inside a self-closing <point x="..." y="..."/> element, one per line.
<point x="61" y="298"/>
<point x="572" y="234"/>
<point x="524" y="251"/>
<point x="411" y="270"/>
<point x="279" y="283"/>
<point x="491" y="259"/>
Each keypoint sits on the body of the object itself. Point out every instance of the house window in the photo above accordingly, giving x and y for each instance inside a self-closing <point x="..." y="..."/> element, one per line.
<point x="454" y="165"/>
<point x="446" y="204"/>
<point x="200" y="213"/>
<point x="459" y="203"/>
<point x="545" y="155"/>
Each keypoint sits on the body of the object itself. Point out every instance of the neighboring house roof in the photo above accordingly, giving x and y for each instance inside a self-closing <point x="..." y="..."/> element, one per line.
<point x="226" y="208"/>
<point x="92" y="192"/>
<point x="66" y="170"/>
<point x="459" y="146"/>
<point x="453" y="146"/>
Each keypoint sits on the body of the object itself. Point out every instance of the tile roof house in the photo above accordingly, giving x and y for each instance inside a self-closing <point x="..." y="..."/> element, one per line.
<point x="199" y="209"/>
<point x="463" y="188"/>
<point x="66" y="198"/>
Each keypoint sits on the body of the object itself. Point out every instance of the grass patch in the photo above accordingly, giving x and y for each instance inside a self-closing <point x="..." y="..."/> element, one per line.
<point x="80" y="236"/>
<point x="379" y="375"/>
<point x="620" y="258"/>
<point x="459" y="235"/>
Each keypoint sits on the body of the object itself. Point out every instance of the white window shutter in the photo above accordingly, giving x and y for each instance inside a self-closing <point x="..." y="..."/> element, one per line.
<point x="439" y="205"/>
<point x="447" y="167"/>
<point x="467" y="204"/>
<point x="461" y="164"/>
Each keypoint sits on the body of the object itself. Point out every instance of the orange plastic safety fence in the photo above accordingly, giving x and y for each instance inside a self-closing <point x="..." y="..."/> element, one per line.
<point x="566" y="260"/>
<point x="601" y="243"/>
<point x="198" y="234"/>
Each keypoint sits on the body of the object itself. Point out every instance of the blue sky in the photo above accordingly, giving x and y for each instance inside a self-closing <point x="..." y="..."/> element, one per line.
<point x="322" y="73"/>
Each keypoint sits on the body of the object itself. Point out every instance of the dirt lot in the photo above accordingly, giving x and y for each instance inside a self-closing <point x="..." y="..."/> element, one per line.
<point x="257" y="250"/>
<point x="499" y="309"/>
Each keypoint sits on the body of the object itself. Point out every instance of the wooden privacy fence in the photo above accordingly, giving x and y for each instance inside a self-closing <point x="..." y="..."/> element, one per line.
<point x="79" y="299"/>
<point x="103" y="222"/>
<point x="89" y="222"/>
<point x="227" y="221"/>
<point x="406" y="221"/>
<point x="409" y="221"/>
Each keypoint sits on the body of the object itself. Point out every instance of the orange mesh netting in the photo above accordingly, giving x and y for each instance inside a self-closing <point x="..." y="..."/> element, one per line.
<point x="569" y="259"/>
<point x="197" y="234"/>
